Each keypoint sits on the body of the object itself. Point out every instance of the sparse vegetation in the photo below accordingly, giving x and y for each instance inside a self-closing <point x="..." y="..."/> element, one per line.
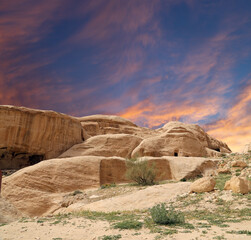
<point x="161" y="215"/>
<point x="140" y="171"/>
<point x="129" y="224"/>
<point x="110" y="237"/>
<point x="221" y="180"/>
<point x="76" y="192"/>
<point x="240" y="232"/>
<point x="108" y="185"/>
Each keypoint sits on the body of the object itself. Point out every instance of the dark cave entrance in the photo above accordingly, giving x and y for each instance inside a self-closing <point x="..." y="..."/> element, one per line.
<point x="176" y="154"/>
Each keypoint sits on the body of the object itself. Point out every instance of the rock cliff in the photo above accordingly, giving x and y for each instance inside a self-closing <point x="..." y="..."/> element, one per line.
<point x="28" y="136"/>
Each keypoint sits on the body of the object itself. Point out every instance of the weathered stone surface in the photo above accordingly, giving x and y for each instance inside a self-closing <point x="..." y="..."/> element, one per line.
<point x="8" y="213"/>
<point x="107" y="124"/>
<point x="43" y="185"/>
<point x="239" y="163"/>
<point x="28" y="136"/>
<point x="108" y="145"/>
<point x="189" y="168"/>
<point x="224" y="170"/>
<point x="237" y="185"/>
<point x="37" y="189"/>
<point x="205" y="184"/>
<point x="180" y="139"/>
<point x="247" y="148"/>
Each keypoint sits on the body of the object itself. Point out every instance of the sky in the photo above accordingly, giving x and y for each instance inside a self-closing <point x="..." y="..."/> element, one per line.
<point x="148" y="61"/>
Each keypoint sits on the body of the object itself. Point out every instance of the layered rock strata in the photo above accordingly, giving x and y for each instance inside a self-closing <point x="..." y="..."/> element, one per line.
<point x="28" y="136"/>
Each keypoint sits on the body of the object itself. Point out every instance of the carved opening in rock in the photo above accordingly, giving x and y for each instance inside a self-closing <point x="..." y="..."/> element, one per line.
<point x="15" y="160"/>
<point x="33" y="159"/>
<point x="176" y="154"/>
<point x="217" y="149"/>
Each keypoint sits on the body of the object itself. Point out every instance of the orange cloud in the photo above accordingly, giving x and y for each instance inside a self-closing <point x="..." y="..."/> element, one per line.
<point x="235" y="129"/>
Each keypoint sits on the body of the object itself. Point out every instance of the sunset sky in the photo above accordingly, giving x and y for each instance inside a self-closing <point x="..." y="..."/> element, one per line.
<point x="150" y="61"/>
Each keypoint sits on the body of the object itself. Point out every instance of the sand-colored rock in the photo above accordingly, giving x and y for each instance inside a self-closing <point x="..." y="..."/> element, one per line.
<point x="205" y="184"/>
<point x="191" y="167"/>
<point x="239" y="163"/>
<point x="37" y="189"/>
<point x="108" y="145"/>
<point x="180" y="139"/>
<point x="28" y="136"/>
<point x="43" y="185"/>
<point x="8" y="213"/>
<point x="237" y="185"/>
<point x="224" y="170"/>
<point x="198" y="132"/>
<point x="247" y="148"/>
<point x="108" y="124"/>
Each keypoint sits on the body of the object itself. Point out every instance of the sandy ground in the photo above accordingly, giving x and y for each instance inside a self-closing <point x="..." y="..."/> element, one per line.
<point x="84" y="229"/>
<point x="142" y="199"/>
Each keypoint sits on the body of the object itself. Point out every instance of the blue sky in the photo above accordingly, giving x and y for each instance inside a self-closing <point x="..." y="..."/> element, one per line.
<point x="148" y="61"/>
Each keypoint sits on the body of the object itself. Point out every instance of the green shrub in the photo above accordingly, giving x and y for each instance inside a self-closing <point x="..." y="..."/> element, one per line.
<point x="140" y="171"/>
<point x="76" y="192"/>
<point x="129" y="224"/>
<point x="111" y="237"/>
<point x="161" y="215"/>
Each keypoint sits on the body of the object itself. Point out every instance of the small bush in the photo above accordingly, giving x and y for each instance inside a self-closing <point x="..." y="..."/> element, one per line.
<point x="76" y="192"/>
<point x="161" y="215"/>
<point x="140" y="172"/>
<point x="111" y="237"/>
<point x="129" y="224"/>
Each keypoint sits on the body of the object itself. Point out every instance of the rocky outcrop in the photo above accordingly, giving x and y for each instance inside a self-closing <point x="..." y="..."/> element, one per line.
<point x="205" y="184"/>
<point x="108" y="145"/>
<point x="28" y="136"/>
<point x="43" y="185"/>
<point x="247" y="148"/>
<point x="238" y="185"/>
<point x="180" y="139"/>
<point x="107" y="124"/>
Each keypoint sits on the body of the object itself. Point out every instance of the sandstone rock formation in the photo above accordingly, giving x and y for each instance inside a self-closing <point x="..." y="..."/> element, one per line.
<point x="247" y="148"/>
<point x="107" y="124"/>
<point x="43" y="185"/>
<point x="239" y="163"/>
<point x="237" y="185"/>
<point x="8" y="213"/>
<point x="108" y="145"/>
<point x="28" y="136"/>
<point x="180" y="139"/>
<point x="205" y="184"/>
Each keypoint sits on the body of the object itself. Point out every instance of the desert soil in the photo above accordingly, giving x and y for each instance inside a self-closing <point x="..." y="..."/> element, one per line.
<point x="85" y="225"/>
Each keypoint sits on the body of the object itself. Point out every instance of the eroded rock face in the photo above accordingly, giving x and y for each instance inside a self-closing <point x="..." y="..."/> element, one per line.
<point x="247" y="148"/>
<point x="42" y="186"/>
<point x="28" y="136"/>
<point x="107" y="124"/>
<point x="180" y="139"/>
<point x="108" y="145"/>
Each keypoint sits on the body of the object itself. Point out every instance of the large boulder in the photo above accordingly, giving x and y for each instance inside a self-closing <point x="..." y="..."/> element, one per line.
<point x="108" y="145"/>
<point x="28" y="136"/>
<point x="205" y="184"/>
<point x="238" y="185"/>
